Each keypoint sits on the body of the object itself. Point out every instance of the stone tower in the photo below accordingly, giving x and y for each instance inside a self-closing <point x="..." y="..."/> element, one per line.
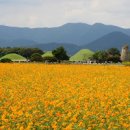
<point x="125" y="53"/>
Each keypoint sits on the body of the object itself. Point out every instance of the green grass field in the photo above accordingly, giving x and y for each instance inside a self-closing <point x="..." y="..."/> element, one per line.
<point x="82" y="55"/>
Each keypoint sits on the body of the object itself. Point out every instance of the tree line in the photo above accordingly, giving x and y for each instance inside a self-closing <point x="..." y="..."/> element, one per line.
<point x="25" y="52"/>
<point x="60" y="54"/>
<point x="35" y="54"/>
<point x="110" y="55"/>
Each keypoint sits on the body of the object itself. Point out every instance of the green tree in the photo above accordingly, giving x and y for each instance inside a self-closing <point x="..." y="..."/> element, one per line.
<point x="113" y="55"/>
<point x="61" y="54"/>
<point x="100" y="56"/>
<point x="25" y="52"/>
<point x="5" y="60"/>
<point x="36" y="57"/>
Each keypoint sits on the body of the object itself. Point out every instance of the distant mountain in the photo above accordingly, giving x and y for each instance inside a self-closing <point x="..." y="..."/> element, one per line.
<point x="114" y="39"/>
<point x="96" y="37"/>
<point x="76" y="33"/>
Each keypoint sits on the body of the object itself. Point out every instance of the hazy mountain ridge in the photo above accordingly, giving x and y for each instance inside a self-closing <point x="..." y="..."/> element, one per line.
<point x="111" y="40"/>
<point x="96" y="37"/>
<point x="76" y="33"/>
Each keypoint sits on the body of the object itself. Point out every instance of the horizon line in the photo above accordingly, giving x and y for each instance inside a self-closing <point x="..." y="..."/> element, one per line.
<point x="13" y="26"/>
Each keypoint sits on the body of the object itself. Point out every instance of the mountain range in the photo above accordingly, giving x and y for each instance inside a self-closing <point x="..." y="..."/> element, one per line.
<point x="73" y="36"/>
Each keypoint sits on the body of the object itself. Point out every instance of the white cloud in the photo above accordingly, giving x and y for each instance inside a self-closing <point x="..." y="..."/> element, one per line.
<point x="36" y="13"/>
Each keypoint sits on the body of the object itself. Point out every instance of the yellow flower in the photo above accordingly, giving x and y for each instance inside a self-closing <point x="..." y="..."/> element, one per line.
<point x="64" y="96"/>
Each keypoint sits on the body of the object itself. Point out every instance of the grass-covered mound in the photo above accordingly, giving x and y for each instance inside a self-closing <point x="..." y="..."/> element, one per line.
<point x="14" y="57"/>
<point x="82" y="55"/>
<point x="49" y="57"/>
<point x="48" y="54"/>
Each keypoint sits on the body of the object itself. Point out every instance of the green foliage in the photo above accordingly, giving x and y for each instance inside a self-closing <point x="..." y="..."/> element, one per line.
<point x="36" y="57"/>
<point x="82" y="55"/>
<point x="126" y="63"/>
<point x="25" y="52"/>
<point x="112" y="54"/>
<point x="100" y="56"/>
<point x="60" y="53"/>
<point x="113" y="51"/>
<point x="49" y="59"/>
<point x="14" y="57"/>
<point x="5" y="60"/>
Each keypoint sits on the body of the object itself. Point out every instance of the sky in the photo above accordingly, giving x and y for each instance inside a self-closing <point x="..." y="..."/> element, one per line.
<point x="51" y="13"/>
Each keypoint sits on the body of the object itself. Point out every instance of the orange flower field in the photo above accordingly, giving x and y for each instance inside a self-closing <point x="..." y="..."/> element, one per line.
<point x="56" y="97"/>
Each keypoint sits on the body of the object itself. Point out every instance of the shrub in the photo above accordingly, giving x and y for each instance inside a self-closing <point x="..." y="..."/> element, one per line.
<point x="127" y="63"/>
<point x="36" y="57"/>
<point x="49" y="59"/>
<point x="6" y="60"/>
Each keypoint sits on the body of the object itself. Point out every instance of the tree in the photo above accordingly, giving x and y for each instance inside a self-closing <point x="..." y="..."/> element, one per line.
<point x="5" y="60"/>
<point x="113" y="55"/>
<point x="25" y="52"/>
<point x="100" y="56"/>
<point x="36" y="57"/>
<point x="113" y="51"/>
<point x="60" y="54"/>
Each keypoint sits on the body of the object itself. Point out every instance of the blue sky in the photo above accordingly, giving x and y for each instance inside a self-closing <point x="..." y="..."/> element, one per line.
<point x="49" y="13"/>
